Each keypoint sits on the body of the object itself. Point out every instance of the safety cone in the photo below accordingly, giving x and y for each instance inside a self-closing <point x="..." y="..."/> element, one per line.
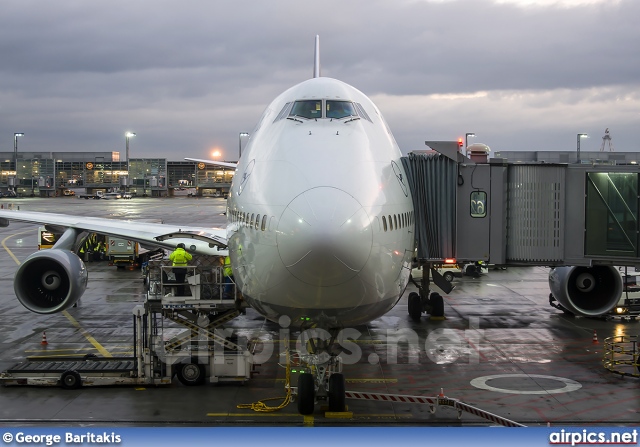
<point x="595" y="338"/>
<point x="44" y="341"/>
<point x="441" y="395"/>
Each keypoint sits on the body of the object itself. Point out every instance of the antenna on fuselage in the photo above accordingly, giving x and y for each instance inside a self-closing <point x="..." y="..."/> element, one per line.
<point x="316" y="59"/>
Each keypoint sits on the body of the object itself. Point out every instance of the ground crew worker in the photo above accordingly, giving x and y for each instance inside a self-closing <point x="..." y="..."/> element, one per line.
<point x="228" y="278"/>
<point x="179" y="260"/>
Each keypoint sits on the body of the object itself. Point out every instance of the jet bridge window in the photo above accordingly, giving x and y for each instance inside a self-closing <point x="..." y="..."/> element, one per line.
<point x="478" y="202"/>
<point x="310" y="109"/>
<point x="340" y="109"/>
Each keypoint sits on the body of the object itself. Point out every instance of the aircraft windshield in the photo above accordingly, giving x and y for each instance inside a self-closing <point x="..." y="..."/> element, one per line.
<point x="310" y="109"/>
<point x="340" y="109"/>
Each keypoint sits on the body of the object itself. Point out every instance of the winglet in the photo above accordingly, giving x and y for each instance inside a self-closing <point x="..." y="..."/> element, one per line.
<point x="316" y="59"/>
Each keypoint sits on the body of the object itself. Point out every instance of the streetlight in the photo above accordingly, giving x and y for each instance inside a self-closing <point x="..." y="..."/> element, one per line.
<point x="15" y="149"/>
<point x="466" y="138"/>
<point x="128" y="135"/>
<point x="242" y="134"/>
<point x="580" y="135"/>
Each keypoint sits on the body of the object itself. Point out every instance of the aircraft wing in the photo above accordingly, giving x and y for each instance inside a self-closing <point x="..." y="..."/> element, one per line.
<point x="206" y="241"/>
<point x="213" y="162"/>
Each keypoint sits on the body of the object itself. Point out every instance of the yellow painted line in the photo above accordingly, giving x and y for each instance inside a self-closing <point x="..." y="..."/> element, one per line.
<point x="87" y="335"/>
<point x="9" y="237"/>
<point x="308" y="421"/>
<point x="355" y="380"/>
<point x="276" y="414"/>
<point x="253" y="414"/>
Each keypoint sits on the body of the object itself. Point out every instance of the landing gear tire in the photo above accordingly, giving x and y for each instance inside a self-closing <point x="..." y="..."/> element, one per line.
<point x="415" y="306"/>
<point x="191" y="374"/>
<point x="337" y="392"/>
<point x="448" y="276"/>
<point x="437" y="305"/>
<point x="306" y="393"/>
<point x="70" y="380"/>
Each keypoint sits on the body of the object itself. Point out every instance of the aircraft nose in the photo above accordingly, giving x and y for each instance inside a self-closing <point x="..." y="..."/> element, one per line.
<point x="324" y="236"/>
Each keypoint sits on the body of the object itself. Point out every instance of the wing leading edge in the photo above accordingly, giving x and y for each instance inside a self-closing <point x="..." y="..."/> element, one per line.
<point x="206" y="241"/>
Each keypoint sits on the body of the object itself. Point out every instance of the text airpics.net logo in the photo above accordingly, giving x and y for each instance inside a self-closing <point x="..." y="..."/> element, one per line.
<point x="589" y="437"/>
<point x="393" y="346"/>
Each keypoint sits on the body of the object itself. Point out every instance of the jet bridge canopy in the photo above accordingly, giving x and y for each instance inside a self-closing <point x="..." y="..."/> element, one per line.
<point x="524" y="213"/>
<point x="432" y="179"/>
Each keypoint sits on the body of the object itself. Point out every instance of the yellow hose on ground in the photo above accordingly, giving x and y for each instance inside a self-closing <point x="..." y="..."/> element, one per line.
<point x="261" y="406"/>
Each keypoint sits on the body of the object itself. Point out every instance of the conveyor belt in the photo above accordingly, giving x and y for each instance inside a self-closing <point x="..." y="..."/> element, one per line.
<point x="120" y="364"/>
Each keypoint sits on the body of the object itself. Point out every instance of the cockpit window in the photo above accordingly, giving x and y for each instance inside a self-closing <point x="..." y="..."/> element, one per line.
<point x="284" y="112"/>
<point x="310" y="109"/>
<point x="340" y="109"/>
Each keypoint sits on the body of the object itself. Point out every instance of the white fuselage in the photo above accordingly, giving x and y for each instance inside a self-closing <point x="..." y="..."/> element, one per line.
<point x="335" y="247"/>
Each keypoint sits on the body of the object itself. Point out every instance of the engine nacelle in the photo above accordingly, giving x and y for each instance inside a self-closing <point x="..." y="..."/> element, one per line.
<point x="588" y="291"/>
<point x="50" y="281"/>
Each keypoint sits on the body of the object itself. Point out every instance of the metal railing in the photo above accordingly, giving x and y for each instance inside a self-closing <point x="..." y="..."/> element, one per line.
<point x="621" y="355"/>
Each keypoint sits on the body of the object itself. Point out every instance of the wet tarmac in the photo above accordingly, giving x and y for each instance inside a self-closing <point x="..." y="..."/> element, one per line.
<point x="502" y="348"/>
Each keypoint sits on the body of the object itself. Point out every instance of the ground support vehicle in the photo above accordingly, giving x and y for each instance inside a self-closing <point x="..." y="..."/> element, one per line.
<point x="629" y="305"/>
<point x="172" y="335"/>
<point x="124" y="252"/>
<point x="93" y="195"/>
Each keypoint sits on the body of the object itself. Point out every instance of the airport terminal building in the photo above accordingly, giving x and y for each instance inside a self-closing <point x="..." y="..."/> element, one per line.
<point x="49" y="174"/>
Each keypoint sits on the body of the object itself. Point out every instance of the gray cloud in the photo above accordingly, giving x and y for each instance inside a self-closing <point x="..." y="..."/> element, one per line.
<point x="187" y="76"/>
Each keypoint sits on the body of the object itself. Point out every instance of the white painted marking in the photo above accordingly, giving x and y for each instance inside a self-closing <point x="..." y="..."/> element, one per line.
<point x="569" y="385"/>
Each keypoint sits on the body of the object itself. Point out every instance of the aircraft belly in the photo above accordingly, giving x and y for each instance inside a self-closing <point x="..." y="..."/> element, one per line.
<point x="347" y="304"/>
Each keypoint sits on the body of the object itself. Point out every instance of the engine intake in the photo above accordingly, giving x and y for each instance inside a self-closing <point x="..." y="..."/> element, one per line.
<point x="50" y="281"/>
<point x="588" y="291"/>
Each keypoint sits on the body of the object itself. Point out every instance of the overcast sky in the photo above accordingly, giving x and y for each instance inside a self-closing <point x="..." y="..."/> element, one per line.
<point x="188" y="76"/>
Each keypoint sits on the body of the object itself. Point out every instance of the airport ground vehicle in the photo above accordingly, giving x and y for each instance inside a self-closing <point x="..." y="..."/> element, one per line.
<point x="126" y="195"/>
<point x="448" y="271"/>
<point x="112" y="196"/>
<point x="122" y="252"/>
<point x="46" y="238"/>
<point x="629" y="304"/>
<point x="94" y="195"/>
<point x="68" y="192"/>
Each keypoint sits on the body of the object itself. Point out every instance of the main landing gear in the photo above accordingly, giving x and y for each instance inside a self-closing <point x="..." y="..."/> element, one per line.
<point x="320" y="377"/>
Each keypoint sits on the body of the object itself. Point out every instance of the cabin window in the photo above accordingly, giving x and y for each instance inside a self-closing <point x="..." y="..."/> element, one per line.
<point x="390" y="224"/>
<point x="340" y="109"/>
<point x="257" y="222"/>
<point x="264" y="222"/>
<point x="310" y="109"/>
<point x="384" y="223"/>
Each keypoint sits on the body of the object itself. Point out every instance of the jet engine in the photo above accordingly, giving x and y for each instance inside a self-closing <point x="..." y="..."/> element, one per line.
<point x="588" y="291"/>
<point x="50" y="281"/>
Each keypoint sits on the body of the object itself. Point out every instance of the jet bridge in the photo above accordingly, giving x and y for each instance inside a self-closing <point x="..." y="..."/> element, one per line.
<point x="533" y="214"/>
<point x="524" y="213"/>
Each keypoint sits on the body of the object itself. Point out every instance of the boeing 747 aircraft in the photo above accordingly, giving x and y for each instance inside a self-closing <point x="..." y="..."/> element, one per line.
<point x="320" y="225"/>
